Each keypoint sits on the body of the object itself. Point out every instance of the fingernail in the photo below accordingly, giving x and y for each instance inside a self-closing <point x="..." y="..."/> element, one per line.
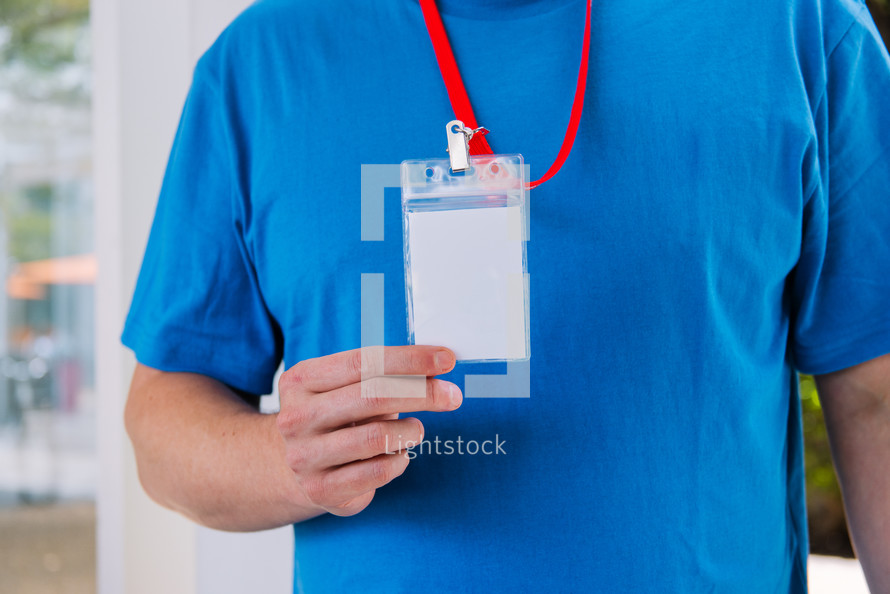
<point x="454" y="395"/>
<point x="443" y="360"/>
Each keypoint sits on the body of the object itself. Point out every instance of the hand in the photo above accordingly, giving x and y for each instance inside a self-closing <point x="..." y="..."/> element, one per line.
<point x="339" y="419"/>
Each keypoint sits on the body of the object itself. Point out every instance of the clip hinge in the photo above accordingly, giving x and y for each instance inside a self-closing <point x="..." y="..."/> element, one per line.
<point x="459" y="144"/>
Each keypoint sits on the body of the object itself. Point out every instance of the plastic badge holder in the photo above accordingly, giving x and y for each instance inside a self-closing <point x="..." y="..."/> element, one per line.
<point x="465" y="257"/>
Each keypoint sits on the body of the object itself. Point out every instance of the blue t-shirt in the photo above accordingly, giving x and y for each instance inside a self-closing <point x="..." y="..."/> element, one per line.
<point x="722" y="222"/>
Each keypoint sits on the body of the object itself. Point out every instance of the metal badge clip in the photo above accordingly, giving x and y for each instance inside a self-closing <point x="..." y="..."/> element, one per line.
<point x="459" y="144"/>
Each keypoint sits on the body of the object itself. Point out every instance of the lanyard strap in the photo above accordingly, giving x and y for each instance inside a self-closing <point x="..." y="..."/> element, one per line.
<point x="460" y="102"/>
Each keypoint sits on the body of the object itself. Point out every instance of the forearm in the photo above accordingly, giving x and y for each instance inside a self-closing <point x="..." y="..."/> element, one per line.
<point x="203" y="452"/>
<point x="857" y="414"/>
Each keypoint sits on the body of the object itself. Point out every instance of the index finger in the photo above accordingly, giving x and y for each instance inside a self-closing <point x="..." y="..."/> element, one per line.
<point x="330" y="372"/>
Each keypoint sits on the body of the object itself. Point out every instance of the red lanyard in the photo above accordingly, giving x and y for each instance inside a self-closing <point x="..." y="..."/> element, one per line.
<point x="460" y="102"/>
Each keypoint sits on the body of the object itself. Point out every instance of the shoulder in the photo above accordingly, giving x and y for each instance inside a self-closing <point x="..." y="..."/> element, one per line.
<point x="258" y="31"/>
<point x="293" y="15"/>
<point x="309" y="19"/>
<point x="269" y="32"/>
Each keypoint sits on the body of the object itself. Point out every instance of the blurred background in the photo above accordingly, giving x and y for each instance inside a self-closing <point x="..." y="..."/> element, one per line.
<point x="47" y="272"/>
<point x="48" y="458"/>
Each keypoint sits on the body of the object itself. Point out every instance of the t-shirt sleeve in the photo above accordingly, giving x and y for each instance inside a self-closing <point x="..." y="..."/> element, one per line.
<point x="841" y="285"/>
<point x="198" y="306"/>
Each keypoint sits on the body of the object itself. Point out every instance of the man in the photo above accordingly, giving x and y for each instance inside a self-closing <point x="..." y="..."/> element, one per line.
<point x="720" y="224"/>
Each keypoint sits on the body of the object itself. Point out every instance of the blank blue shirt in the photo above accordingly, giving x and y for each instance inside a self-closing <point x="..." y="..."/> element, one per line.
<point x="722" y="222"/>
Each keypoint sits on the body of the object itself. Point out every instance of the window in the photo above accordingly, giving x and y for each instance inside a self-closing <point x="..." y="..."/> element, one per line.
<point x="47" y="420"/>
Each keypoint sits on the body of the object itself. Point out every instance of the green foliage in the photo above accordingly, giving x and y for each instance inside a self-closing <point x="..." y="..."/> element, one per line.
<point x="820" y="472"/>
<point x="42" y="34"/>
<point x="827" y="522"/>
<point x="28" y="223"/>
<point x="29" y="237"/>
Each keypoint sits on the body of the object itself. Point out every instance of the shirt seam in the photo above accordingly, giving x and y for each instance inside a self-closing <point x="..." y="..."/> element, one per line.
<point x="830" y="54"/>
<point x="853" y="20"/>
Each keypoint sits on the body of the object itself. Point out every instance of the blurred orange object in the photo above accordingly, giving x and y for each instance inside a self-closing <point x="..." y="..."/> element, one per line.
<point x="30" y="279"/>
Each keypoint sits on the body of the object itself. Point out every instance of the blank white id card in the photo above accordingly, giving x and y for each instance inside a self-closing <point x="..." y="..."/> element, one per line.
<point x="466" y="272"/>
